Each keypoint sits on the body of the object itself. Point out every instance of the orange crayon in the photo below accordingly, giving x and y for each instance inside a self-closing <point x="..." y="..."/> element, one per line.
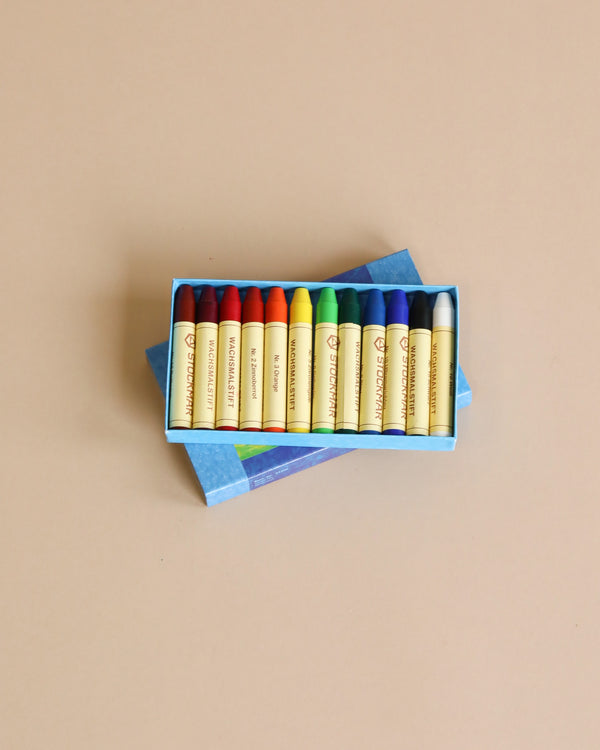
<point x="275" y="361"/>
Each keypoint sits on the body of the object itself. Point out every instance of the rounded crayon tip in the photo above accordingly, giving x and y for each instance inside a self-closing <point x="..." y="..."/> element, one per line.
<point x="397" y="309"/>
<point x="349" y="307"/>
<point x="231" y="305"/>
<point x="301" y="306"/>
<point x="375" y="309"/>
<point x="420" y="315"/>
<point x="207" y="309"/>
<point x="276" y="309"/>
<point x="185" y="304"/>
<point x="443" y="311"/>
<point x="253" y="307"/>
<point x="327" y="306"/>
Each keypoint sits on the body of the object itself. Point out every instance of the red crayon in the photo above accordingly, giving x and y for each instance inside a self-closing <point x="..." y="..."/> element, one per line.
<point x="182" y="359"/>
<point x="228" y="360"/>
<point x="253" y="309"/>
<point x="251" y="385"/>
<point x="275" y="362"/>
<point x="205" y="368"/>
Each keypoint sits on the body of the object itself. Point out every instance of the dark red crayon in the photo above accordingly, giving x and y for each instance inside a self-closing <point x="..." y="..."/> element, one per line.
<point x="185" y="304"/>
<point x="207" y="308"/>
<point x="182" y="359"/>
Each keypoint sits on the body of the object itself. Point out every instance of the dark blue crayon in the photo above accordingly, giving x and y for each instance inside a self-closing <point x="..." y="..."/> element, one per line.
<point x="396" y="365"/>
<point x="372" y="365"/>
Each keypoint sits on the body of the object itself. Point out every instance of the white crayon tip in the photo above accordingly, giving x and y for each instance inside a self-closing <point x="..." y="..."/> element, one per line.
<point x="443" y="311"/>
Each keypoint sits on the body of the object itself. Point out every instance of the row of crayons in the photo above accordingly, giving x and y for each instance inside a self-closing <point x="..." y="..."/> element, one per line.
<point x="245" y="367"/>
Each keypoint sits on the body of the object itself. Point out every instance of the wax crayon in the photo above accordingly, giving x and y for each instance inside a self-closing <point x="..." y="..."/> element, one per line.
<point x="251" y="377"/>
<point x="228" y="360"/>
<point x="348" y="371"/>
<point x="275" y="361"/>
<point x="419" y="365"/>
<point x="372" y="364"/>
<point x="395" y="379"/>
<point x="205" y="368"/>
<point x="441" y="409"/>
<point x="182" y="359"/>
<point x="299" y="362"/>
<point x="325" y="362"/>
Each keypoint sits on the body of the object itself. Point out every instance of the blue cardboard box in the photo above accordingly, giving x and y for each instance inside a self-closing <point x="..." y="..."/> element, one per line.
<point x="226" y="471"/>
<point x="335" y="440"/>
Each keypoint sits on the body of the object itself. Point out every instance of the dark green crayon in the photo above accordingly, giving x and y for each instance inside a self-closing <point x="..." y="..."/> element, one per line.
<point x="348" y="370"/>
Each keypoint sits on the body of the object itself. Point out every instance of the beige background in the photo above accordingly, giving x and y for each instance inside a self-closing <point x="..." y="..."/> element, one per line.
<point x="381" y="600"/>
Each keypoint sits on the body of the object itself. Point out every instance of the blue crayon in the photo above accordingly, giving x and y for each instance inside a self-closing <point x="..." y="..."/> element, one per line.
<point x="395" y="389"/>
<point x="372" y="365"/>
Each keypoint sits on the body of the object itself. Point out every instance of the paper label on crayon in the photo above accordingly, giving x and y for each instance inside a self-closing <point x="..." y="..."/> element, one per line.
<point x="372" y="378"/>
<point x="251" y="377"/>
<point x="325" y="376"/>
<point x="441" y="409"/>
<point x="182" y="374"/>
<point x="205" y="376"/>
<point x="419" y="372"/>
<point x="299" y="377"/>
<point x="275" y="376"/>
<point x="348" y="386"/>
<point x="395" y="388"/>
<point x="228" y="374"/>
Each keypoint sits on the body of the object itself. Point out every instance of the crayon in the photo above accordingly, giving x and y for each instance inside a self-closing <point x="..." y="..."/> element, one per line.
<point x="419" y="365"/>
<point x="251" y="377"/>
<point x="182" y="359"/>
<point x="275" y="361"/>
<point x="348" y="371"/>
<point x="325" y="362"/>
<point x="372" y="365"/>
<point x="395" y="378"/>
<point x="205" y="369"/>
<point x="228" y="360"/>
<point x="441" y="409"/>
<point x="299" y="362"/>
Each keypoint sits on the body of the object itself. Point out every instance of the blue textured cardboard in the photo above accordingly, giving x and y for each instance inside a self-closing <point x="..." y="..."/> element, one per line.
<point x="223" y="470"/>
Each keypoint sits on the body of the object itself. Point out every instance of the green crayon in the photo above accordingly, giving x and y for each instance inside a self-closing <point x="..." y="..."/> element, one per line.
<point x="325" y="362"/>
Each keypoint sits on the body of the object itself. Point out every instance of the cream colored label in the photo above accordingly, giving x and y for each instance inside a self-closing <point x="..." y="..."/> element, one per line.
<point x="348" y="385"/>
<point x="251" y="378"/>
<point x="372" y="378"/>
<point x="299" y="377"/>
<point x="182" y="374"/>
<point x="228" y="369"/>
<point x="419" y="371"/>
<point x="441" y="409"/>
<point x="275" y="376"/>
<point x="395" y="389"/>
<point x="205" y="376"/>
<point x="325" y="376"/>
